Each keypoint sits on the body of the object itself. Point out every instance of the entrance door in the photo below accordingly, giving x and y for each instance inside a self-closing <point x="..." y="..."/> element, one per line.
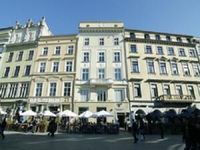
<point x="121" y="119"/>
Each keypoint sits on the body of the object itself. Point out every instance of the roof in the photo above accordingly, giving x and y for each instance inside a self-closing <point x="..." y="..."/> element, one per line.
<point x="7" y="28"/>
<point x="155" y="32"/>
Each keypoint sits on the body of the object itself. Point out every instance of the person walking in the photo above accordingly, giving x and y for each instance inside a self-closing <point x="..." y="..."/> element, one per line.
<point x="52" y="127"/>
<point x="2" y="127"/>
<point x="134" y="130"/>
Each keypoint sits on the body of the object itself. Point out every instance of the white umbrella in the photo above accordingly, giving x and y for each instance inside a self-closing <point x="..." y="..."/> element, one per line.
<point x="102" y="113"/>
<point x="2" y="112"/>
<point x="48" y="114"/>
<point x="68" y="113"/>
<point x="86" y="114"/>
<point x="28" y="113"/>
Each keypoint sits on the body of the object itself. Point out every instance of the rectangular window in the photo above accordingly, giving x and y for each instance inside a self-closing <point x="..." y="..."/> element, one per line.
<point x="27" y="70"/>
<point x="179" y="90"/>
<point x="163" y="69"/>
<point x="166" y="89"/>
<point x="17" y="69"/>
<point x="154" y="90"/>
<point x="13" y="90"/>
<point x="191" y="91"/>
<point x="3" y="89"/>
<point x="20" y="56"/>
<point x="86" y="56"/>
<point x="148" y="49"/>
<point x="101" y="95"/>
<point x="69" y="66"/>
<point x="196" y="69"/>
<point x="170" y="51"/>
<point x="101" y="73"/>
<point x="174" y="68"/>
<point x="137" y="90"/>
<point x="45" y="51"/>
<point x="57" y="50"/>
<point x="135" y="66"/>
<point x="186" y="70"/>
<point x="160" y="50"/>
<point x="30" y="55"/>
<point x="117" y="72"/>
<point x="192" y="53"/>
<point x="150" y="66"/>
<point x="52" y="91"/>
<point x="117" y="57"/>
<point x="182" y="52"/>
<point x="42" y="66"/>
<point x="6" y="74"/>
<point x="116" y="41"/>
<point x="67" y="89"/>
<point x="38" y="90"/>
<point x="119" y="95"/>
<point x="70" y="50"/>
<point x="85" y="74"/>
<point x="133" y="48"/>
<point x="87" y="42"/>
<point x="10" y="56"/>
<point x="84" y="93"/>
<point x="55" y="66"/>
<point x="101" y="56"/>
<point x="101" y="41"/>
<point x="24" y="90"/>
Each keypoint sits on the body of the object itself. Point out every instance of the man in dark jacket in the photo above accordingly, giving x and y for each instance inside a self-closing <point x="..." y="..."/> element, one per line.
<point x="2" y="128"/>
<point x="52" y="127"/>
<point x="134" y="130"/>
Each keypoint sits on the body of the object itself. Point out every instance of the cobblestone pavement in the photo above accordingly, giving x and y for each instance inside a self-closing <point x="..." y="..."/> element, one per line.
<point x="122" y="141"/>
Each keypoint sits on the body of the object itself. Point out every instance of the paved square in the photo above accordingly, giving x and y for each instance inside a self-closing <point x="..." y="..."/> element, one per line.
<point x="123" y="141"/>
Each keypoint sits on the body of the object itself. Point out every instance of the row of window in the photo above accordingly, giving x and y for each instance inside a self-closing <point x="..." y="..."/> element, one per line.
<point x="14" y="90"/>
<point x="101" y="41"/>
<point x="27" y="71"/>
<point x="163" y="67"/>
<point x="158" y="37"/>
<point x="100" y="74"/>
<point x="19" y="56"/>
<point x="55" y="66"/>
<point x="53" y="89"/>
<point x="101" y="56"/>
<point x="166" y="90"/>
<point x="170" y="51"/>
<point x="57" y="51"/>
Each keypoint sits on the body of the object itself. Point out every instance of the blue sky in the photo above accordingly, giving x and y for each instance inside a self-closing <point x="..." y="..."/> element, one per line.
<point x="63" y="16"/>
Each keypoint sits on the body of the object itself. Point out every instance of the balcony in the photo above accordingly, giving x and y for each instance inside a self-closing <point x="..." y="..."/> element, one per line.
<point x="101" y="82"/>
<point x="175" y="98"/>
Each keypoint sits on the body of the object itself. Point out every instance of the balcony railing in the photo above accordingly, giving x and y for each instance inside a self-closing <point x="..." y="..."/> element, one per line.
<point x="101" y="81"/>
<point x="176" y="98"/>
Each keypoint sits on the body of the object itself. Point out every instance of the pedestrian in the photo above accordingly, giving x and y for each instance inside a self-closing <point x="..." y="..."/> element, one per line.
<point x="134" y="130"/>
<point x="52" y="127"/>
<point x="2" y="127"/>
<point x="161" y="127"/>
<point x="141" y="127"/>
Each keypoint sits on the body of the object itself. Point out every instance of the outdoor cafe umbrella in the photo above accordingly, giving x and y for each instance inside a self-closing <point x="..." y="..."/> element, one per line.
<point x="28" y="113"/>
<point x="47" y="113"/>
<point x="102" y="113"/>
<point x="2" y="112"/>
<point x="86" y="114"/>
<point x="67" y="113"/>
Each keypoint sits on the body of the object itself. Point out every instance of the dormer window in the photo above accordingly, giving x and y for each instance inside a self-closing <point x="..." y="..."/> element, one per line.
<point x="188" y="40"/>
<point x="157" y="37"/>
<point x="168" y="38"/>
<point x="146" y="36"/>
<point x="179" y="39"/>
<point x="132" y="35"/>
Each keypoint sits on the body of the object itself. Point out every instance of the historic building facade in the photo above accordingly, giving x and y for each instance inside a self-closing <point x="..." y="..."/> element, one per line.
<point x="163" y="71"/>
<point x="18" y="62"/>
<point x="100" y="69"/>
<point x="53" y="75"/>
